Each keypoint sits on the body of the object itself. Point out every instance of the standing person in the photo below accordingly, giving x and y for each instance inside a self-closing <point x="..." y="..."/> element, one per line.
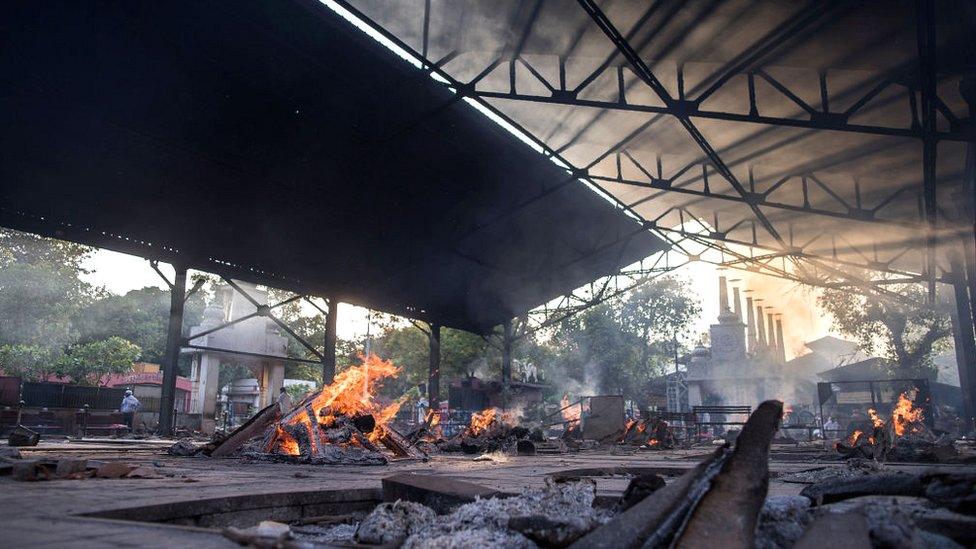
<point x="284" y="401"/>
<point x="128" y="408"/>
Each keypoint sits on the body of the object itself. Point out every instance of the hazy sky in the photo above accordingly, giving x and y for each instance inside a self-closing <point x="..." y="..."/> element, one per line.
<point x="121" y="273"/>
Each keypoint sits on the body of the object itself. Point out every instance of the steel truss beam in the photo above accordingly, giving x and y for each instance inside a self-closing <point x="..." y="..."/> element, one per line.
<point x="676" y="106"/>
<point x="261" y="310"/>
<point x="835" y="122"/>
<point x="705" y="233"/>
<point x="595" y="293"/>
<point x="684" y="110"/>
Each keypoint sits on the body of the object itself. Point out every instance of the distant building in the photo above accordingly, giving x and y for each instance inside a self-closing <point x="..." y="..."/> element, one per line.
<point x="825" y="353"/>
<point x="474" y="394"/>
<point x="253" y="334"/>
<point x="876" y="369"/>
<point x="744" y="364"/>
<point x="242" y="397"/>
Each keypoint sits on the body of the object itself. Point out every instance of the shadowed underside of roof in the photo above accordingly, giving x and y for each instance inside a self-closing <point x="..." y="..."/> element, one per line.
<point x="272" y="141"/>
<point x="815" y="111"/>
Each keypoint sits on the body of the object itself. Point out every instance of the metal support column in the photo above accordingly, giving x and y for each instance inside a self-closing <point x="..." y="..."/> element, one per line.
<point x="434" y="374"/>
<point x="965" y="341"/>
<point x="927" y="78"/>
<point x="507" y="339"/>
<point x="329" y="353"/>
<point x="967" y="88"/>
<point x="171" y="358"/>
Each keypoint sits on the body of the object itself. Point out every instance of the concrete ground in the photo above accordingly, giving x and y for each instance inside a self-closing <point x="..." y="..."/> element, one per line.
<point x="49" y="513"/>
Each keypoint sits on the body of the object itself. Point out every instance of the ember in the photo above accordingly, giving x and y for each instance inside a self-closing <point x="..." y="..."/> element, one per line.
<point x="651" y="432"/>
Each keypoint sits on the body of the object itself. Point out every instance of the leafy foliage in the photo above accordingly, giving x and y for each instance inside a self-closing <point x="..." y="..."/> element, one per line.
<point x="29" y="361"/>
<point x="140" y="316"/>
<point x="908" y="333"/>
<point x="88" y="363"/>
<point x="40" y="289"/>
<point x="619" y="346"/>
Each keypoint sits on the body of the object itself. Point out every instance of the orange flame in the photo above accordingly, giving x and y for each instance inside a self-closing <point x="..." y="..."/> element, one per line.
<point x="346" y="396"/>
<point x="351" y="394"/>
<point x="286" y="444"/>
<point x="433" y="419"/>
<point x="653" y="442"/>
<point x="855" y="436"/>
<point x="905" y="417"/>
<point x="877" y="421"/>
<point x="480" y="421"/>
<point x="570" y="412"/>
<point x="483" y="420"/>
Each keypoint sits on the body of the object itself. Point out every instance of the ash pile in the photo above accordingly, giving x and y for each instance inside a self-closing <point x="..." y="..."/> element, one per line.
<point x="901" y="436"/>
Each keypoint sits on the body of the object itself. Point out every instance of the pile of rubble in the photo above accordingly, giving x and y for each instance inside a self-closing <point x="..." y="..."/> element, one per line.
<point x="722" y="502"/>
<point x="874" y="508"/>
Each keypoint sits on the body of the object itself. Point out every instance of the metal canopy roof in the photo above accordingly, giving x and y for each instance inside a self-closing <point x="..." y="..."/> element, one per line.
<point x="274" y="142"/>
<point x="806" y="134"/>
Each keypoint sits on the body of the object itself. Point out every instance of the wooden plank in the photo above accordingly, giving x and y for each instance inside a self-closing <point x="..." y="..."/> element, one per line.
<point x="255" y="426"/>
<point x="727" y="514"/>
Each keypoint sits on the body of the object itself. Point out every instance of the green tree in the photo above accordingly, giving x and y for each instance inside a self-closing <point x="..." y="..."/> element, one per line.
<point x="620" y="345"/>
<point x="29" y="362"/>
<point x="140" y="316"/>
<point x="658" y="313"/>
<point x="40" y="289"/>
<point x="909" y="332"/>
<point x="89" y="363"/>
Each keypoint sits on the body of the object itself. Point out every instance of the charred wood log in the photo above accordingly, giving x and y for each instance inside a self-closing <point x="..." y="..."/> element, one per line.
<point x="22" y="436"/>
<point x="639" y="488"/>
<point x="727" y="514"/>
<point x="665" y="510"/>
<point x="256" y="426"/>
<point x="717" y="501"/>
<point x="399" y="445"/>
<point x="888" y="484"/>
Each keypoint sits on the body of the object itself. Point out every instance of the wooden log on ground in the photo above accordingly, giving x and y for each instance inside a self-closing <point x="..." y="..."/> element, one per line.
<point x="666" y="510"/>
<point x="716" y="504"/>
<point x="256" y="426"/>
<point x="887" y="484"/>
<point x="727" y="515"/>
<point x="22" y="436"/>
<point x="399" y="445"/>
<point x="639" y="488"/>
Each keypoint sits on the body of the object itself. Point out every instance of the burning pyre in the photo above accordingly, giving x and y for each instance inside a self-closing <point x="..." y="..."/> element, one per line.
<point x="652" y="433"/>
<point x="489" y="430"/>
<point x="342" y="423"/>
<point x="903" y="436"/>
